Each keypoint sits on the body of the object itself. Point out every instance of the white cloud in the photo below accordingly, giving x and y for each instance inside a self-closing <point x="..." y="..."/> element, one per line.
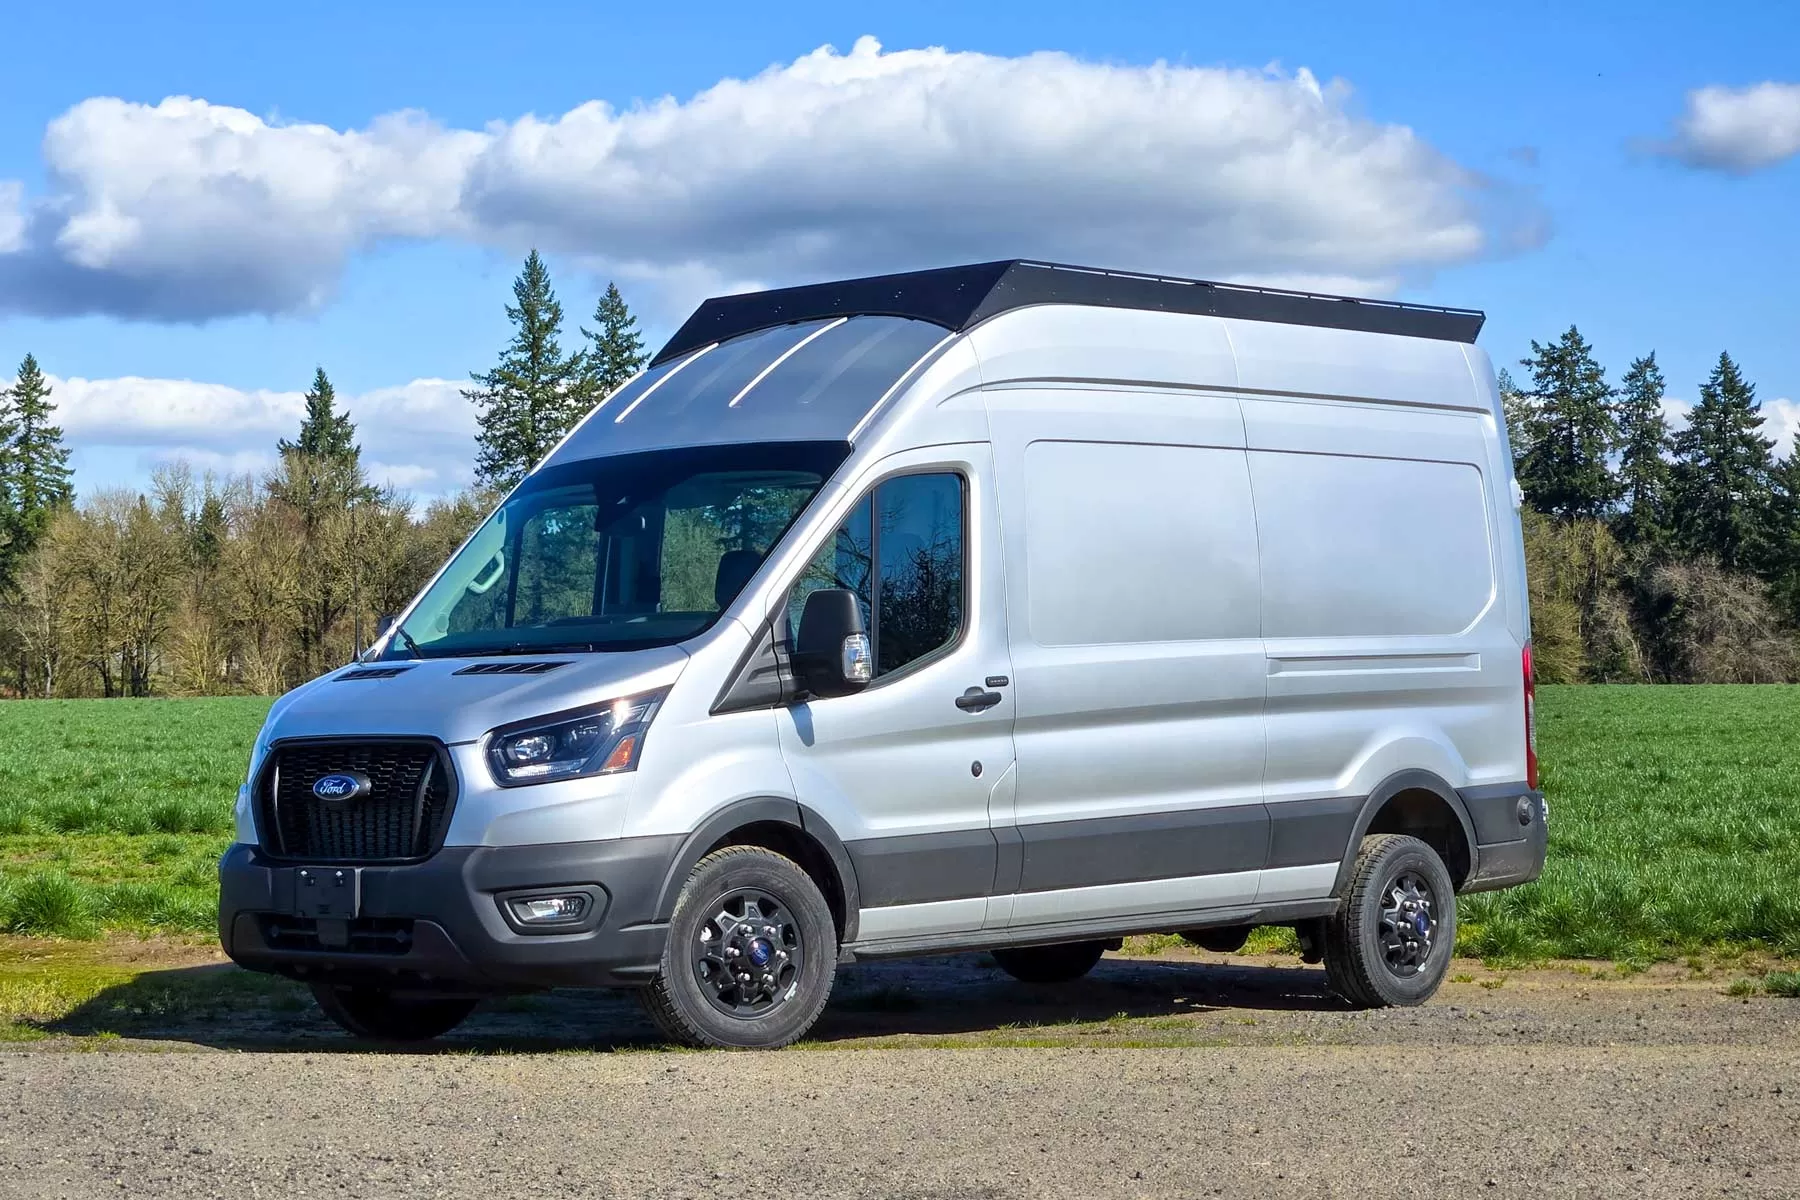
<point x="1781" y="421"/>
<point x="419" y="436"/>
<point x="1738" y="129"/>
<point x="833" y="163"/>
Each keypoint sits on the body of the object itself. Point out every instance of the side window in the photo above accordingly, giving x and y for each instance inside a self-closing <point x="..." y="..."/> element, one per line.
<point x="901" y="551"/>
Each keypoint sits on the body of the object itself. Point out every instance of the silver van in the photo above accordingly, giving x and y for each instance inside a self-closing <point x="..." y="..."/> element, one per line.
<point x="1009" y="607"/>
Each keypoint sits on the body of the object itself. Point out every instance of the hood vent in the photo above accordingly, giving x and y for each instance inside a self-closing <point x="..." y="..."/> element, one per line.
<point x="373" y="673"/>
<point x="511" y="668"/>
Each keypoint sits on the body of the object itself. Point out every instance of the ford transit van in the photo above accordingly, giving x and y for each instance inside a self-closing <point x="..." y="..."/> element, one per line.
<point x="1011" y="607"/>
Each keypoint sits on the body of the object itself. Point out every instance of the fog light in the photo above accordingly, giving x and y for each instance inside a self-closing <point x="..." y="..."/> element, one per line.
<point x="549" y="910"/>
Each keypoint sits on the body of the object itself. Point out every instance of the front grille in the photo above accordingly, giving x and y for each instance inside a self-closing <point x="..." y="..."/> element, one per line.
<point x="404" y="815"/>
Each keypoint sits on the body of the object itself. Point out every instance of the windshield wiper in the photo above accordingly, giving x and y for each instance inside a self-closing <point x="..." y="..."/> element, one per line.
<point x="407" y="640"/>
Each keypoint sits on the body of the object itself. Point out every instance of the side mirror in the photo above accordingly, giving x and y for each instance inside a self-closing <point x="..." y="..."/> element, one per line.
<point x="384" y="623"/>
<point x="832" y="655"/>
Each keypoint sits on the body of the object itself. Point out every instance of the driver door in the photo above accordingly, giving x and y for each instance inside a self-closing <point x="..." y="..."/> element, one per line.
<point x="906" y="770"/>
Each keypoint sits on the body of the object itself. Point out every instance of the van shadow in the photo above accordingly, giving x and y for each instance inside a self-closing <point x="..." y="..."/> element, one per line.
<point x="224" y="1007"/>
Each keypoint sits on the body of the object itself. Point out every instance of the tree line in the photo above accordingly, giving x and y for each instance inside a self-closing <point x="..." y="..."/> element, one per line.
<point x="1654" y="554"/>
<point x="205" y="584"/>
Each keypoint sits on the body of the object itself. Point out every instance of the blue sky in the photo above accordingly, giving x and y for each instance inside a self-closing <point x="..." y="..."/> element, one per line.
<point x="1523" y="159"/>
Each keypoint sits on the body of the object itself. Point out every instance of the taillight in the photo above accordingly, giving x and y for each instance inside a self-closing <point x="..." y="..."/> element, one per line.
<point x="1531" y="761"/>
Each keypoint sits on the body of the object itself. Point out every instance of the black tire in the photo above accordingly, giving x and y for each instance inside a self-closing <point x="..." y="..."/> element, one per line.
<point x="693" y="999"/>
<point x="1227" y="939"/>
<point x="377" y="1013"/>
<point x="1377" y="952"/>
<point x="1061" y="963"/>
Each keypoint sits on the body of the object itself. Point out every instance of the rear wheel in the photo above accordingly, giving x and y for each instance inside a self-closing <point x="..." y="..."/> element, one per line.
<point x="379" y="1014"/>
<point x="1390" y="943"/>
<point x="1050" y="964"/>
<point x="751" y="955"/>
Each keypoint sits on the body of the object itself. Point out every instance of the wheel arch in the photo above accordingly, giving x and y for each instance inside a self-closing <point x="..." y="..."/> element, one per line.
<point x="788" y="828"/>
<point x="1420" y="804"/>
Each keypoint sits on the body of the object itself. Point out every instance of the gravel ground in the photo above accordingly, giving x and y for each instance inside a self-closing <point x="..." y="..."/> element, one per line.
<point x="1256" y="1084"/>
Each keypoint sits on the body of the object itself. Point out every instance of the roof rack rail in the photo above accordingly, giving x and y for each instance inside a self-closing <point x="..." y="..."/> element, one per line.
<point x="958" y="298"/>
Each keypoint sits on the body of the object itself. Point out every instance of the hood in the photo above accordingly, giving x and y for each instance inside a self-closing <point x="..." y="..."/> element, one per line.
<point x="444" y="699"/>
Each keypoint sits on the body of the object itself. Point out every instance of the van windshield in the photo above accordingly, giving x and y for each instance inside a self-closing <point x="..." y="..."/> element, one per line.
<point x="617" y="553"/>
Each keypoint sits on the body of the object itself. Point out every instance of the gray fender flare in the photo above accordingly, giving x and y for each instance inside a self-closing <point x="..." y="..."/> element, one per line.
<point x="1404" y="781"/>
<point x="758" y="811"/>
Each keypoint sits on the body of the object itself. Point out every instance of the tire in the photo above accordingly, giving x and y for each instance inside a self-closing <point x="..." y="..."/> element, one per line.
<point x="1372" y="960"/>
<point x="694" y="999"/>
<point x="1061" y="963"/>
<point x="378" y="1014"/>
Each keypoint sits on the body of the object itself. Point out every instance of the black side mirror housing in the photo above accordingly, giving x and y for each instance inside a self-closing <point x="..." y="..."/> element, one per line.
<point x="832" y="655"/>
<point x="384" y="623"/>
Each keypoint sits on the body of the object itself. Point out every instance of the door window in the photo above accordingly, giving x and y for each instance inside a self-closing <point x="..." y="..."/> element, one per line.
<point x="902" y="553"/>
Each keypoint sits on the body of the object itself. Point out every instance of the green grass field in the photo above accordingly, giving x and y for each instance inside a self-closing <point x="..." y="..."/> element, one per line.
<point x="113" y="813"/>
<point x="1675" y="821"/>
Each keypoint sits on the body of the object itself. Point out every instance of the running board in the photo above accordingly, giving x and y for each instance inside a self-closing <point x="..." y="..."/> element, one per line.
<point x="1080" y="931"/>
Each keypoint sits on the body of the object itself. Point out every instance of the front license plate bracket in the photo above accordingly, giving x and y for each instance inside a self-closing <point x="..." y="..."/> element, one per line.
<point x="327" y="893"/>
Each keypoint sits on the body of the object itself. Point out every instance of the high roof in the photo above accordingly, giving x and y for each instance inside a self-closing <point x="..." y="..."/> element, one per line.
<point x="957" y="298"/>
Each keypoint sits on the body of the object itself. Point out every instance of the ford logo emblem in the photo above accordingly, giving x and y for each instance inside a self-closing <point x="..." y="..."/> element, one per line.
<point x="341" y="788"/>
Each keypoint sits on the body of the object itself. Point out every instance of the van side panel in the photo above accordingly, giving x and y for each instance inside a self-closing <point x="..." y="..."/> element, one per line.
<point x="1132" y="594"/>
<point x="1386" y="630"/>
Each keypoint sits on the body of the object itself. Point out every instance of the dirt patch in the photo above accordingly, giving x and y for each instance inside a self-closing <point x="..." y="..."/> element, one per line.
<point x="182" y="994"/>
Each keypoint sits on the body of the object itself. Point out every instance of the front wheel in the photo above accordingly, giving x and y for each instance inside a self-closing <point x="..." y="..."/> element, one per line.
<point x="751" y="955"/>
<point x="379" y="1014"/>
<point x="1390" y="943"/>
<point x="1050" y="964"/>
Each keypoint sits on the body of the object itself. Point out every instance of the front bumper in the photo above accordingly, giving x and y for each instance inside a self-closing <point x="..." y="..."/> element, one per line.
<point x="436" y="925"/>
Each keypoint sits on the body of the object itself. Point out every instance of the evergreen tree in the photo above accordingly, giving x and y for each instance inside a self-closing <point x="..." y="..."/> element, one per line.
<point x="535" y="394"/>
<point x="1569" y="431"/>
<point x="1643" y="454"/>
<point x="1515" y="406"/>
<point x="1720" y="481"/>
<point x="325" y="433"/>
<point x="11" y="550"/>
<point x="616" y="350"/>
<point x="35" y="463"/>
<point x="1781" y="536"/>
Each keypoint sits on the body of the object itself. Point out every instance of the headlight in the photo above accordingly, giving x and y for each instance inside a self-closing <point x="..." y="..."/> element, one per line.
<point x="602" y="740"/>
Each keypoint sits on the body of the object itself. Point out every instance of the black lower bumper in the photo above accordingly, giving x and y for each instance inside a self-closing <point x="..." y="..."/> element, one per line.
<point x="1507" y="861"/>
<point x="438" y="925"/>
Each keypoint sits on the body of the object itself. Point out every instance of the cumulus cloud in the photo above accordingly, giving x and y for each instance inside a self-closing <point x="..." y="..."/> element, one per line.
<point x="833" y="163"/>
<point x="419" y="436"/>
<point x="1738" y="130"/>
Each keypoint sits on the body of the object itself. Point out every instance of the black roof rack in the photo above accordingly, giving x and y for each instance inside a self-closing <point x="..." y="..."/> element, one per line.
<point x="960" y="297"/>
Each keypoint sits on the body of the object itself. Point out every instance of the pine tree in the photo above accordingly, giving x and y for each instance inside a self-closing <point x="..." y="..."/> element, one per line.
<point x="1569" y="431"/>
<point x="1720" y="481"/>
<point x="1643" y="454"/>
<point x="36" y="462"/>
<point x="1781" y="535"/>
<point x="616" y="351"/>
<point x="535" y="394"/>
<point x="325" y="433"/>
<point x="1515" y="406"/>
<point x="11" y="531"/>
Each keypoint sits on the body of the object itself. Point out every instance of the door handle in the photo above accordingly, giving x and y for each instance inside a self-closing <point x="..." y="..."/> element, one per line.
<point x="977" y="700"/>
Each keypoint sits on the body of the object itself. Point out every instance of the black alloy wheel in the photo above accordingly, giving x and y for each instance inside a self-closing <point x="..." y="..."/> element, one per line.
<point x="751" y="954"/>
<point x="1391" y="939"/>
